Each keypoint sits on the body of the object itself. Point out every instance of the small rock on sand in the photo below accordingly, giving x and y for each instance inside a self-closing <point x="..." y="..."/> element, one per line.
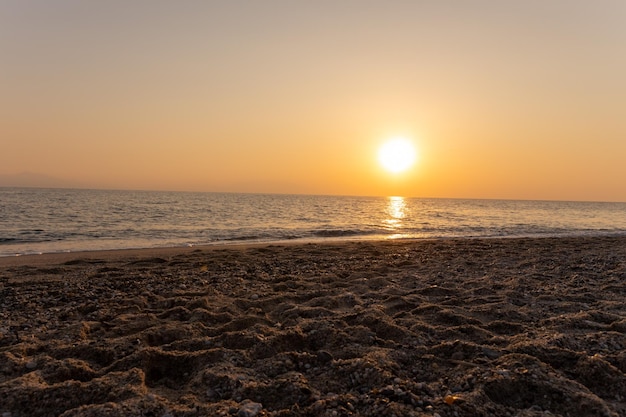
<point x="249" y="409"/>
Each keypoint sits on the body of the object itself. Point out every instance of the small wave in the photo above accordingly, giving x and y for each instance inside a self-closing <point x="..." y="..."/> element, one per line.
<point x="240" y="238"/>
<point x="32" y="236"/>
<point x="31" y="232"/>
<point x="339" y="233"/>
<point x="26" y="240"/>
<point x="260" y="237"/>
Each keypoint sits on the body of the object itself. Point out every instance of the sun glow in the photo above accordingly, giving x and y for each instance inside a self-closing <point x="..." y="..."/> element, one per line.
<point x="397" y="155"/>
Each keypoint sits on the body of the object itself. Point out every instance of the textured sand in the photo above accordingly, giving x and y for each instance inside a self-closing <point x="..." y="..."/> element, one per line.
<point x="515" y="327"/>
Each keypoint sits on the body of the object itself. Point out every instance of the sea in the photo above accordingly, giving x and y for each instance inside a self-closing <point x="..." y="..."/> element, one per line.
<point x="35" y="221"/>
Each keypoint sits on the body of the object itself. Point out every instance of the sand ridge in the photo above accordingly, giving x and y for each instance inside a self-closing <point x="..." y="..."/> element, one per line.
<point x="468" y="327"/>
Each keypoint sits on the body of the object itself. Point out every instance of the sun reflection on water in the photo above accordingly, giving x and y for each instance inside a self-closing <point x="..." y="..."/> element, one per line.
<point x="396" y="212"/>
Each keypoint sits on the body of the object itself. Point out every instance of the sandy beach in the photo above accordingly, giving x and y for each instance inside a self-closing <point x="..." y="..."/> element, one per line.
<point x="467" y="327"/>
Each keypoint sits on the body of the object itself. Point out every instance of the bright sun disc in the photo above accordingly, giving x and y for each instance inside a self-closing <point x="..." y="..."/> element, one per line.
<point x="396" y="155"/>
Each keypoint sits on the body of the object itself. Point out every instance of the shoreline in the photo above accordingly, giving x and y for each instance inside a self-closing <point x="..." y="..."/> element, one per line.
<point x="47" y="258"/>
<point x="448" y="327"/>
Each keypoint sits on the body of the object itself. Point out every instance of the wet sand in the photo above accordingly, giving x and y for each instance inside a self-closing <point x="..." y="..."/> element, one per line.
<point x="485" y="327"/>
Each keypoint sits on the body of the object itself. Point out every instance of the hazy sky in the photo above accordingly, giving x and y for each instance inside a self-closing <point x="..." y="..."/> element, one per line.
<point x="503" y="99"/>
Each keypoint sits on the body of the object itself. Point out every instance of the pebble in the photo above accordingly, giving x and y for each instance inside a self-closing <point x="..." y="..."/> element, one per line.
<point x="490" y="353"/>
<point x="31" y="365"/>
<point x="450" y="399"/>
<point x="324" y="357"/>
<point x="250" y="409"/>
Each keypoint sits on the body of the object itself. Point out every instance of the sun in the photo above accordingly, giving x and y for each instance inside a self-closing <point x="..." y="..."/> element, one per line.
<point x="397" y="155"/>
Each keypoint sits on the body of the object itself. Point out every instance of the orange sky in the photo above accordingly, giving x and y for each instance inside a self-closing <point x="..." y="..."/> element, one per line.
<point x="521" y="100"/>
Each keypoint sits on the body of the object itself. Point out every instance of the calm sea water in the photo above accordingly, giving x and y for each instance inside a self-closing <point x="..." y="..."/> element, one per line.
<point x="60" y="220"/>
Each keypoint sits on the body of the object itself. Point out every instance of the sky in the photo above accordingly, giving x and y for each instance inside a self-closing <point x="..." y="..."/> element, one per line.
<point x="502" y="99"/>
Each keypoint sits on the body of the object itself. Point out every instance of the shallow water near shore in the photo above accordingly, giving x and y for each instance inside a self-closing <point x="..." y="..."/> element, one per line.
<point x="61" y="220"/>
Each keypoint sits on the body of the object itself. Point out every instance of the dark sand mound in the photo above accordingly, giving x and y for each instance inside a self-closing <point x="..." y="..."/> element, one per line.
<point x="517" y="327"/>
